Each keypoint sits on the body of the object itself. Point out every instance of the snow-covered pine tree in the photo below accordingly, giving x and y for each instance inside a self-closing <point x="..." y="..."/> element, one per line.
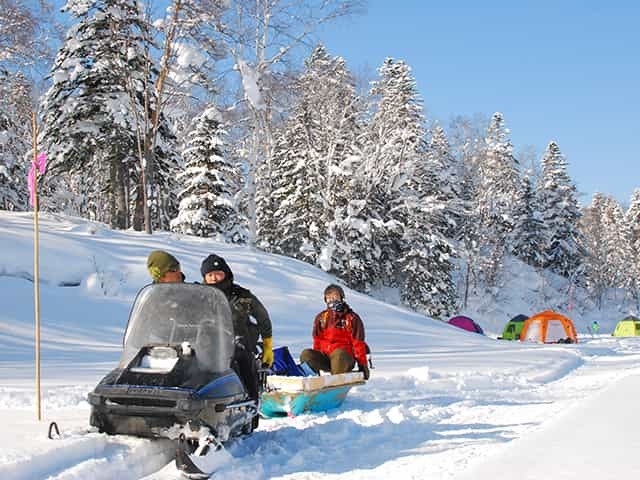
<point x="446" y="184"/>
<point x="526" y="240"/>
<point x="313" y="158"/>
<point x="467" y="139"/>
<point x="617" y="243"/>
<point x="632" y="216"/>
<point x="427" y="283"/>
<point x="261" y="38"/>
<point x="336" y="128"/>
<point x="355" y="227"/>
<point x="394" y="143"/>
<point x="496" y="192"/>
<point x="162" y="179"/>
<point x="210" y="181"/>
<point x="595" y="263"/>
<point x="607" y="239"/>
<point x="632" y="219"/>
<point x="89" y="116"/>
<point x="265" y="205"/>
<point x="15" y="139"/>
<point x="86" y="131"/>
<point x="560" y="214"/>
<point x="468" y="145"/>
<point x="468" y="234"/>
<point x="295" y="189"/>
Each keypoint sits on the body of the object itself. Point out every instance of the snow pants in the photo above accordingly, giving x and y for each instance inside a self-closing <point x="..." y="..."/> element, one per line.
<point x="246" y="368"/>
<point x="338" y="361"/>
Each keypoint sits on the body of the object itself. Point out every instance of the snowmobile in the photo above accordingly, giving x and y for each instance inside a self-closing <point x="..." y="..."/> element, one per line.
<point x="176" y="376"/>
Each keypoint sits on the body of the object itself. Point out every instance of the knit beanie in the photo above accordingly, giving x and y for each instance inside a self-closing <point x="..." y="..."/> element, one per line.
<point x="160" y="262"/>
<point x="215" y="263"/>
<point x="334" y="288"/>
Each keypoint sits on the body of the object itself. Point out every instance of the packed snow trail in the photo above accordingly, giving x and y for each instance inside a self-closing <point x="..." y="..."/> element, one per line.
<point x="598" y="439"/>
<point x="423" y="424"/>
<point x="86" y="455"/>
<point x="427" y="423"/>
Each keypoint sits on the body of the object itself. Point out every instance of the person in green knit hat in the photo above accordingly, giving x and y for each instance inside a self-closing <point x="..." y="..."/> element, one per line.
<point x="164" y="267"/>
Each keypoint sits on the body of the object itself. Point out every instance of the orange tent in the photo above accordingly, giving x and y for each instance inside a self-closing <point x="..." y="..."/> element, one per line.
<point x="549" y="327"/>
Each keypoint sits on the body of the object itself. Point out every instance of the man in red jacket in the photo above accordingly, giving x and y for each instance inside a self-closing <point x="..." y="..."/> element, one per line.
<point x="338" y="337"/>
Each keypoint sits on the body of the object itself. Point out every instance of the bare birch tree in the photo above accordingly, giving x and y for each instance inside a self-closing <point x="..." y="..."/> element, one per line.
<point x="148" y="118"/>
<point x="22" y="31"/>
<point x="261" y="37"/>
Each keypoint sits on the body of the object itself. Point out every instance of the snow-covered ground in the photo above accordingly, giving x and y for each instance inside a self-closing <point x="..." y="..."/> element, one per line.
<point x="441" y="404"/>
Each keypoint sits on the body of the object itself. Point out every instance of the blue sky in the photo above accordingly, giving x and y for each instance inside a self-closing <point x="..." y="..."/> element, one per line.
<point x="561" y="70"/>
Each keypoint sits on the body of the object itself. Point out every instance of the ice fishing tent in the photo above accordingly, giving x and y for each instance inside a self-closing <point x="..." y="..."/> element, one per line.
<point x="549" y="327"/>
<point x="513" y="328"/>
<point x="466" y="324"/>
<point x="627" y="327"/>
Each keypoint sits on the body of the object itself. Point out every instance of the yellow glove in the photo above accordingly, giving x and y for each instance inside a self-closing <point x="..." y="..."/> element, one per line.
<point x="267" y="351"/>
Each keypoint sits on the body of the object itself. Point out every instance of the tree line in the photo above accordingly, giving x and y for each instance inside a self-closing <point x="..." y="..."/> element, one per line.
<point x="205" y="122"/>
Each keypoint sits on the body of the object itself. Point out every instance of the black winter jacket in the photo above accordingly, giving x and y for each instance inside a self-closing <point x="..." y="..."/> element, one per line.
<point x="250" y="318"/>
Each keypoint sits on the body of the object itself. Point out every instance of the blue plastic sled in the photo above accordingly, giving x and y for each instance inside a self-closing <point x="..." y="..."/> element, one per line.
<point x="295" y="395"/>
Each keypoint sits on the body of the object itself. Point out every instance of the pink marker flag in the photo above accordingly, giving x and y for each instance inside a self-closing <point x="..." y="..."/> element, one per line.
<point x="41" y="165"/>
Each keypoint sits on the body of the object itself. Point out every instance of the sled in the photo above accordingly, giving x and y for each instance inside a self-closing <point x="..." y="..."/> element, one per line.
<point x="291" y="396"/>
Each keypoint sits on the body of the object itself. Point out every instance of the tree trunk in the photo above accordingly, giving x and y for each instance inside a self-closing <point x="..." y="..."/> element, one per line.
<point x="146" y="190"/>
<point x="120" y="196"/>
<point x="160" y="211"/>
<point x="251" y="188"/>
<point x="466" y="285"/>
<point x="113" y="181"/>
<point x="138" y="212"/>
<point x="127" y="194"/>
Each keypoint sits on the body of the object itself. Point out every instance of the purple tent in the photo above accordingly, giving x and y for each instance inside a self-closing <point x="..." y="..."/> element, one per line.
<point x="466" y="324"/>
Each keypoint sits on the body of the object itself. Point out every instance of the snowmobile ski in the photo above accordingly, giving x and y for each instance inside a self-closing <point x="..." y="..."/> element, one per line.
<point x="199" y="458"/>
<point x="53" y="427"/>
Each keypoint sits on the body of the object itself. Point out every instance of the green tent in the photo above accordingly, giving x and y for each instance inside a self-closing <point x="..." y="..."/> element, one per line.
<point x="513" y="328"/>
<point x="627" y="327"/>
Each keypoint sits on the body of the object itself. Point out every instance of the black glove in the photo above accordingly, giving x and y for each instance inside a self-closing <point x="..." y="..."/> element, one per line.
<point x="365" y="370"/>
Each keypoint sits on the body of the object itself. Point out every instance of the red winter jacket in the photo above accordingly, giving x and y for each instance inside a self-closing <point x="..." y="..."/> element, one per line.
<point x="342" y="330"/>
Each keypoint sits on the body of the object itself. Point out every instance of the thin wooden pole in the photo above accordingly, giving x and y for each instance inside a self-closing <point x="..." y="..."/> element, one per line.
<point x="36" y="261"/>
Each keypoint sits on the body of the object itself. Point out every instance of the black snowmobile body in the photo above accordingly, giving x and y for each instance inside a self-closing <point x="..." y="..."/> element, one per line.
<point x="176" y="369"/>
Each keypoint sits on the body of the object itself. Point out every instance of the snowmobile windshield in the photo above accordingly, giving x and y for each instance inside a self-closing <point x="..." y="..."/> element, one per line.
<point x="197" y="317"/>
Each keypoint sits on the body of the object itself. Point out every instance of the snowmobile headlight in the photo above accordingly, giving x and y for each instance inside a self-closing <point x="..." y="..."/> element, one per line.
<point x="187" y="404"/>
<point x="95" y="399"/>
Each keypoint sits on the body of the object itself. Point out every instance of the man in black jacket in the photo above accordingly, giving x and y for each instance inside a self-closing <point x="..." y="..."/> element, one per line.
<point x="250" y="319"/>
